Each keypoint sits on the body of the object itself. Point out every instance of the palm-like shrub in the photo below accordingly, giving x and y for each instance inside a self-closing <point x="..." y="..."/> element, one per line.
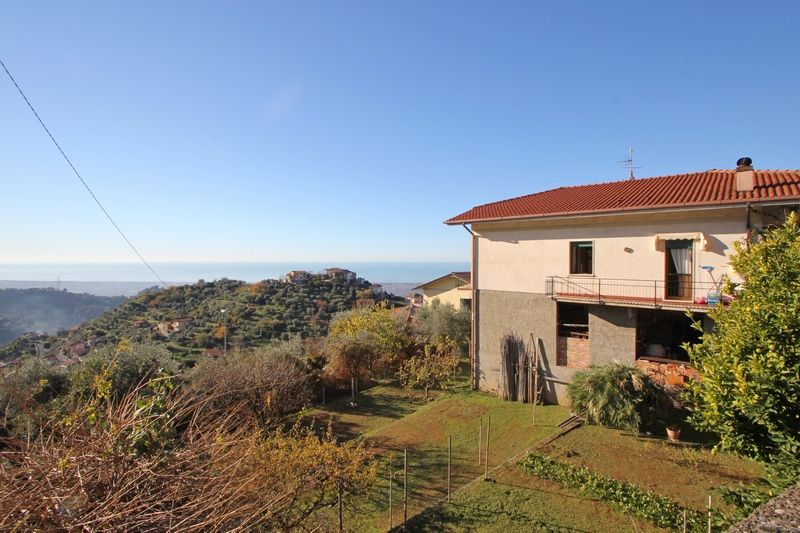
<point x="616" y="396"/>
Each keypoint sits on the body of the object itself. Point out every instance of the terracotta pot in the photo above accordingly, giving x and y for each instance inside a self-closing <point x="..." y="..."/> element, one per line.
<point x="674" y="434"/>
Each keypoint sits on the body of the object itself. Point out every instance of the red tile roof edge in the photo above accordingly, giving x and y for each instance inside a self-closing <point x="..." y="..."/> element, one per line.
<point x="708" y="186"/>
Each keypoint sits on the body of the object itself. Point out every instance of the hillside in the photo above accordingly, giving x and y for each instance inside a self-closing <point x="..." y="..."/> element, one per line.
<point x="48" y="311"/>
<point x="192" y="319"/>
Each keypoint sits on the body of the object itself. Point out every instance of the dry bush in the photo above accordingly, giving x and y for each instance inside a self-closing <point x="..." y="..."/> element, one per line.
<point x="154" y="460"/>
<point x="264" y="383"/>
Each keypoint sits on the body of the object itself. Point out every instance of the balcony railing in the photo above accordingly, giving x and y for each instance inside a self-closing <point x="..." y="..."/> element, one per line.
<point x="674" y="292"/>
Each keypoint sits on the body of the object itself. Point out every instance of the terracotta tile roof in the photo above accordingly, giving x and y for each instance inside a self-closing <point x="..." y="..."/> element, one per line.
<point x="713" y="187"/>
<point x="464" y="277"/>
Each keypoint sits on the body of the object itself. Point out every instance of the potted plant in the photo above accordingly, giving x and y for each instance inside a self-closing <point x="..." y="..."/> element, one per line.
<point x="673" y="433"/>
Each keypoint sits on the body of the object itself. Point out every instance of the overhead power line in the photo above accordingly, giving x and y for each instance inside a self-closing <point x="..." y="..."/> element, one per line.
<point x="80" y="177"/>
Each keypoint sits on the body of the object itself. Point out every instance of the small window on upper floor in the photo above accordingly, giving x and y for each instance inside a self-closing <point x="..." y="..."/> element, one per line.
<point x="580" y="257"/>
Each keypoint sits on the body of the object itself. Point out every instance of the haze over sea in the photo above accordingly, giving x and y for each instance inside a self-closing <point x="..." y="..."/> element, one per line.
<point x="61" y="274"/>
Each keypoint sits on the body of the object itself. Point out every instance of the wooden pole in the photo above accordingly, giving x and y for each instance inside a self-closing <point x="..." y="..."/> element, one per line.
<point x="535" y="380"/>
<point x="353" y="388"/>
<point x="449" y="464"/>
<point x="391" y="477"/>
<point x="480" y="439"/>
<point x="405" y="488"/>
<point x="488" y="433"/>
<point x="323" y="395"/>
<point x="684" y="521"/>
<point x="709" y="513"/>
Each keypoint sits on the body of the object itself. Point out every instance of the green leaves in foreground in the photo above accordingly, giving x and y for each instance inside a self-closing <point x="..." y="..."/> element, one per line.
<point x="630" y="499"/>
<point x="749" y="391"/>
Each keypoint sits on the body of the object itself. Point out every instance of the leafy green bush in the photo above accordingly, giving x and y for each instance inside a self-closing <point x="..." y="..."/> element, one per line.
<point x="616" y="396"/>
<point x="749" y="363"/>
<point x="127" y="367"/>
<point x="25" y="392"/>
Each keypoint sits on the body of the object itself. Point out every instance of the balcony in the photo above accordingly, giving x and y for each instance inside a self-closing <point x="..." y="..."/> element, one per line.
<point x="676" y="293"/>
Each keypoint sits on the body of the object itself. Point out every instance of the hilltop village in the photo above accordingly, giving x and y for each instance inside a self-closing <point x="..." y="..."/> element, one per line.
<point x="206" y="318"/>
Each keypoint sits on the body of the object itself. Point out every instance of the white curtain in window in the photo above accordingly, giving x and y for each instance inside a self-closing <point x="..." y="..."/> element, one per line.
<point x="682" y="257"/>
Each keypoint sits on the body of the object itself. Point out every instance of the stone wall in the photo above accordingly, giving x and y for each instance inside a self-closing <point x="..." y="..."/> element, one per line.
<point x="500" y="312"/>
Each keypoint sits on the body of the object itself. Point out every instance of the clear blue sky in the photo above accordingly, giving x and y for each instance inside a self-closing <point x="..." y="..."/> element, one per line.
<point x="343" y="130"/>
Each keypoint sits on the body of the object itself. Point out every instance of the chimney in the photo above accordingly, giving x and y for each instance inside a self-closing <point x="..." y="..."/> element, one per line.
<point x="745" y="175"/>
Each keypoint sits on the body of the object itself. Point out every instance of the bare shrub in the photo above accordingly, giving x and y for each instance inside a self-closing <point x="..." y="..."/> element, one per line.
<point x="158" y="460"/>
<point x="263" y="383"/>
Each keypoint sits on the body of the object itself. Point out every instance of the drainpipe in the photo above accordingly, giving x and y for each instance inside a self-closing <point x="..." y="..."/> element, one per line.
<point x="473" y="307"/>
<point x="747" y="229"/>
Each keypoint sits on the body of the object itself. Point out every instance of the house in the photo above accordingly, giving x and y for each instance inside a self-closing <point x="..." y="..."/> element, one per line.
<point x="342" y="273"/>
<point x="454" y="288"/>
<point x="295" y="276"/>
<point x="599" y="273"/>
<point x="76" y="349"/>
<point x="173" y="326"/>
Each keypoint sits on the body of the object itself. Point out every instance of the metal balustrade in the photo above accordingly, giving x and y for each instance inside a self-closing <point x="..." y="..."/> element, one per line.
<point x="672" y="293"/>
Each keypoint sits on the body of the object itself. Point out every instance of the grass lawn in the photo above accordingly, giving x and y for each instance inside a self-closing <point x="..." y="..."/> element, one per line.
<point x="389" y="421"/>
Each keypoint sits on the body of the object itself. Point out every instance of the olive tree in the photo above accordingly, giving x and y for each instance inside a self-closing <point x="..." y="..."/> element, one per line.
<point x="444" y="328"/>
<point x="126" y="366"/>
<point x="263" y="384"/>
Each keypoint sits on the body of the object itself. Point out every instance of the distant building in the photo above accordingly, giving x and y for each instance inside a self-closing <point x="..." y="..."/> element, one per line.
<point x="76" y="349"/>
<point x="295" y="276"/>
<point x="173" y="326"/>
<point x="455" y="288"/>
<point x="339" y="273"/>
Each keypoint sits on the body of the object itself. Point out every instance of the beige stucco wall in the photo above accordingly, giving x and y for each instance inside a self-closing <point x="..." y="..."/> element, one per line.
<point x="517" y="257"/>
<point x="448" y="290"/>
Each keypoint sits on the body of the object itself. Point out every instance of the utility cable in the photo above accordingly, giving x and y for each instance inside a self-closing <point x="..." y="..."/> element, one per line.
<point x="81" y="178"/>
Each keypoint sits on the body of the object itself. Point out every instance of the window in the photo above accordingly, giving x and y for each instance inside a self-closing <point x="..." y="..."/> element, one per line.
<point x="466" y="303"/>
<point x="573" y="335"/>
<point x="580" y="257"/>
<point x="679" y="269"/>
<point x="573" y="320"/>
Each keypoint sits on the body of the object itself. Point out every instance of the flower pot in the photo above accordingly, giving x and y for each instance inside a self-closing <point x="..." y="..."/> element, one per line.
<point x="674" y="434"/>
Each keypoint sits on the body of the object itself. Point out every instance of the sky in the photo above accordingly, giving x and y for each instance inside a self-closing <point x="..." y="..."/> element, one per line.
<point x="350" y="130"/>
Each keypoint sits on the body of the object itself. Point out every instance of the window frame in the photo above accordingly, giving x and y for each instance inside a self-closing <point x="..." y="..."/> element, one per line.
<point x="577" y="258"/>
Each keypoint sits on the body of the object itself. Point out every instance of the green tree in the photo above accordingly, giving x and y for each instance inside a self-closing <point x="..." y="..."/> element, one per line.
<point x="429" y="370"/>
<point x="444" y="328"/>
<point x="362" y="341"/>
<point x="749" y="391"/>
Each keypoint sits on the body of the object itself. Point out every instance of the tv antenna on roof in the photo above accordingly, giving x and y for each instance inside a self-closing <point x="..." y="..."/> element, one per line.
<point x="629" y="162"/>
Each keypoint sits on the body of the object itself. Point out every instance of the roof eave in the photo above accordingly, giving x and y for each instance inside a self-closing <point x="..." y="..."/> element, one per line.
<point x="630" y="210"/>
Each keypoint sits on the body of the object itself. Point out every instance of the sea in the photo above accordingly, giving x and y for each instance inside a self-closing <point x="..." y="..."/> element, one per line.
<point x="127" y="279"/>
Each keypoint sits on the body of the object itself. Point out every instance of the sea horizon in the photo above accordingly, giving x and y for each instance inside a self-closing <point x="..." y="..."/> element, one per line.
<point x="378" y="272"/>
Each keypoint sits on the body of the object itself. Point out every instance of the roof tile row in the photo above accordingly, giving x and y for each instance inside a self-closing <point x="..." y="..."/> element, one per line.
<point x="713" y="187"/>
